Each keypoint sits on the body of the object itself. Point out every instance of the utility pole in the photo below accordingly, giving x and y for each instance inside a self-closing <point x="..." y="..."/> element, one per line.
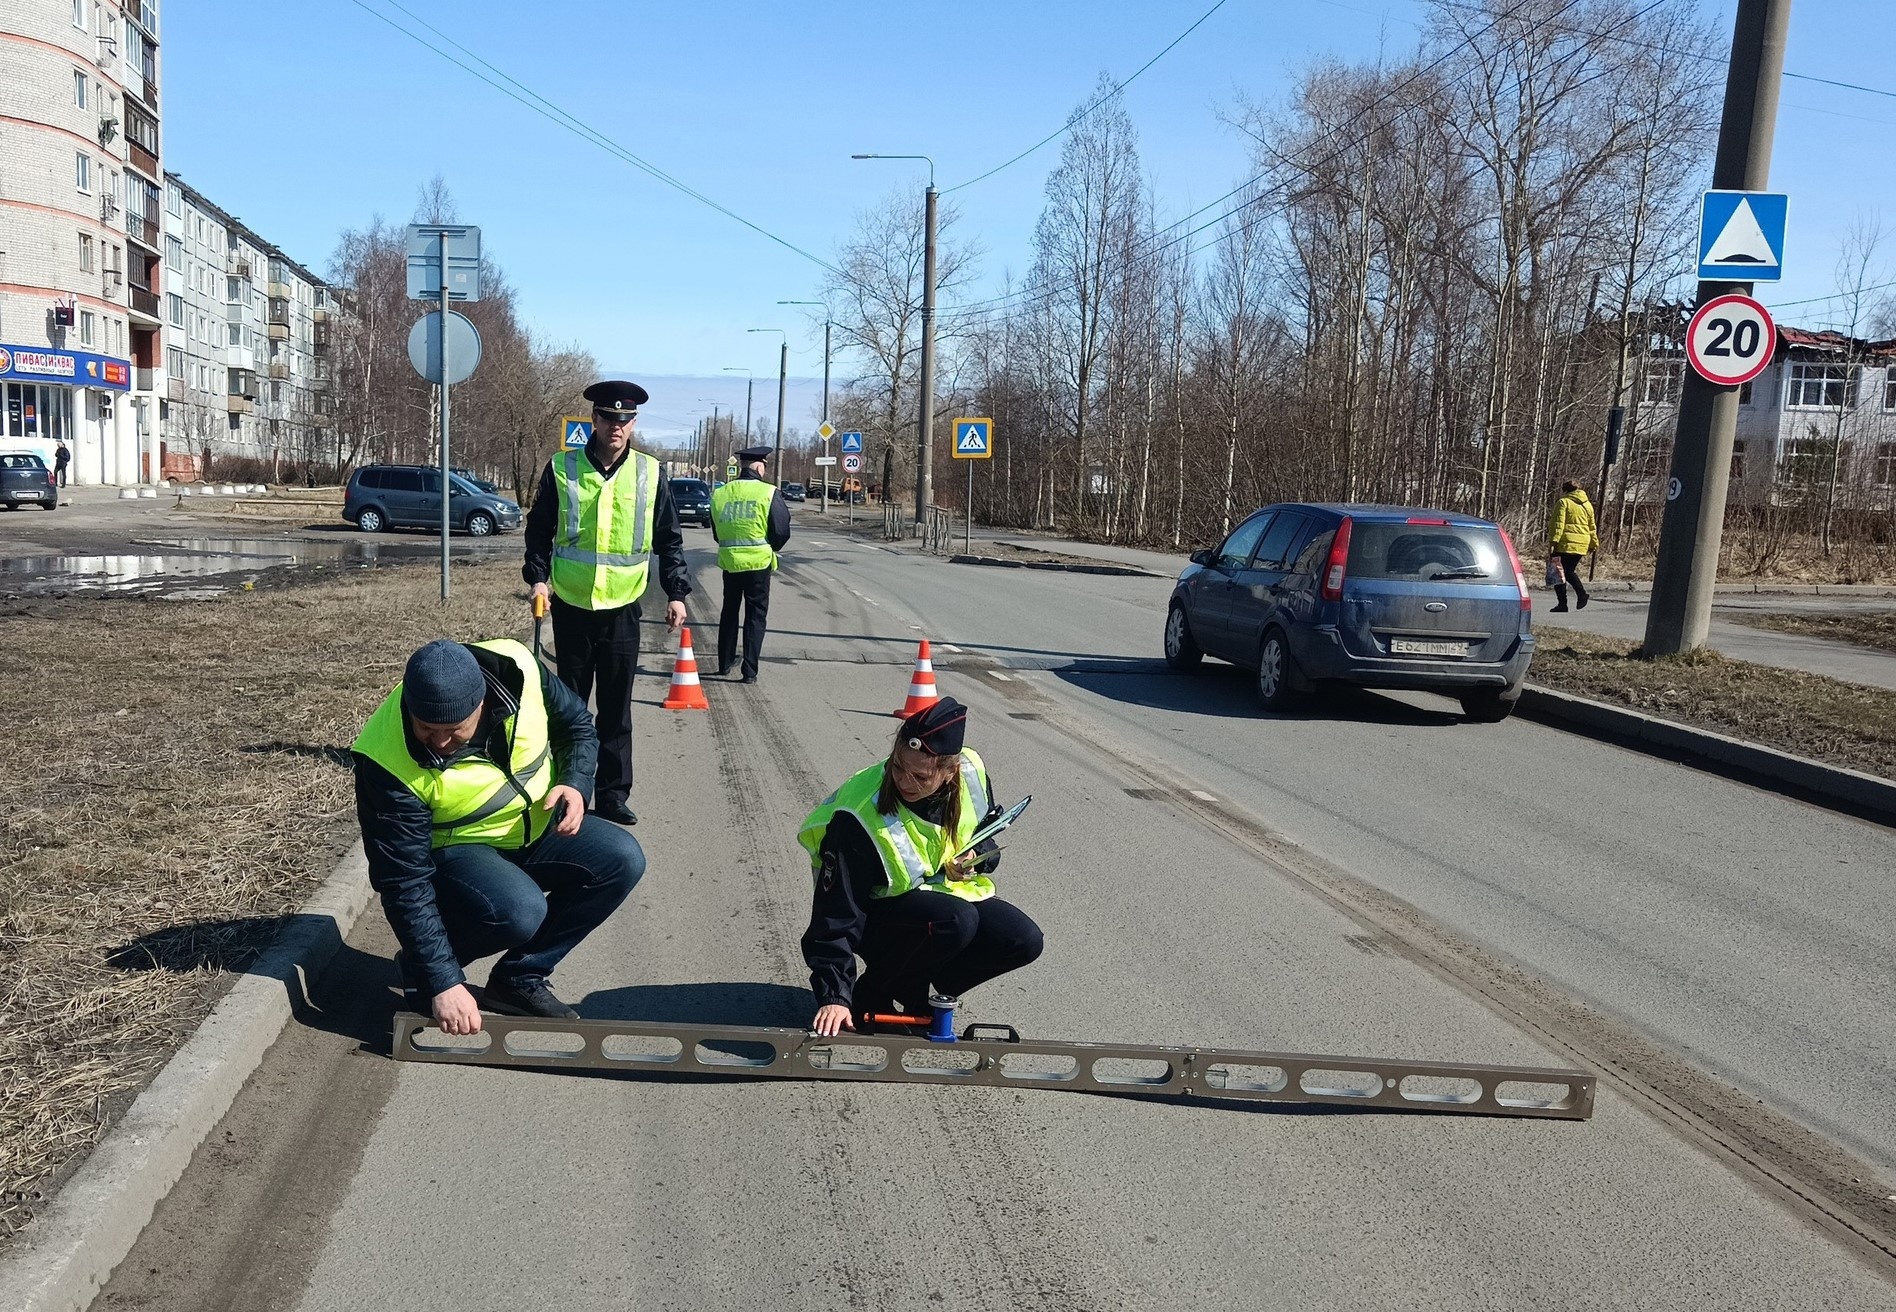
<point x="924" y="445"/>
<point x="823" y="506"/>
<point x="1680" y="615"/>
<point x="783" y="377"/>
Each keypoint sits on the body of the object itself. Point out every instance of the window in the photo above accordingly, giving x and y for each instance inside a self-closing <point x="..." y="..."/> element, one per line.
<point x="1744" y="393"/>
<point x="85" y="252"/>
<point x="1738" y="462"/>
<point x="174" y="362"/>
<point x="236" y="334"/>
<point x="1818" y="387"/>
<point x="174" y="305"/>
<point x="174" y="200"/>
<point x="86" y="327"/>
<point x="174" y="254"/>
<point x="1277" y="547"/>
<point x="1885" y="468"/>
<point x="233" y="290"/>
<point x="402" y="480"/>
<point x="1805" y="461"/>
<point x="1889" y="388"/>
<point x="78" y="88"/>
<point x="1664" y="380"/>
<point x="81" y="13"/>
<point x="82" y="166"/>
<point x="1236" y="551"/>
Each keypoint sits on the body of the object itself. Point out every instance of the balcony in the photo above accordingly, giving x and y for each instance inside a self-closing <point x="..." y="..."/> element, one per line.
<point x="239" y="405"/>
<point x="145" y="302"/>
<point x="279" y="291"/>
<point x="174" y="389"/>
<point x="144" y="379"/>
<point x="280" y="369"/>
<point x="147" y="89"/>
<point x="279" y="332"/>
<point x="233" y="263"/>
<point x="144" y="161"/>
<point x="142" y="230"/>
<point x="320" y="348"/>
<point x="240" y="357"/>
<point x="145" y="14"/>
<point x="108" y="206"/>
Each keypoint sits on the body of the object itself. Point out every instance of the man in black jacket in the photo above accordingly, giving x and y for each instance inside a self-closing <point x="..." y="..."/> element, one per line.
<point x="471" y="786"/>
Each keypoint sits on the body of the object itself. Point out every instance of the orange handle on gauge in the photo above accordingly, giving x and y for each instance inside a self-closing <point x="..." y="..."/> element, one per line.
<point x="539" y="606"/>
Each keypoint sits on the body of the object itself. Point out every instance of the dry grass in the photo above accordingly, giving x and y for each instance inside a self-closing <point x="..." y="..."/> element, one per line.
<point x="1865" y="628"/>
<point x="177" y="781"/>
<point x="1845" y="724"/>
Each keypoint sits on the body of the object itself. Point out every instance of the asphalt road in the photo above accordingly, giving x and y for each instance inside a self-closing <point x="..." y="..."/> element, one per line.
<point x="1373" y="877"/>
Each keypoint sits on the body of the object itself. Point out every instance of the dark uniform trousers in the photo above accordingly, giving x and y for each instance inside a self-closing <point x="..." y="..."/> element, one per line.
<point x="925" y="938"/>
<point x="602" y="646"/>
<point x="749" y="589"/>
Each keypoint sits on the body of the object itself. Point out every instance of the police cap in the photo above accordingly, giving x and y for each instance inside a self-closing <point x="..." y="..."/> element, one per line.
<point x="617" y="398"/>
<point x="938" y="730"/>
<point x="754" y="453"/>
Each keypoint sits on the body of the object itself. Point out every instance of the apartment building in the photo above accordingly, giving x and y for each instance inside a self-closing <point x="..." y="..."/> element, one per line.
<point x="1823" y="394"/>
<point x="80" y="189"/>
<point x="247" y="342"/>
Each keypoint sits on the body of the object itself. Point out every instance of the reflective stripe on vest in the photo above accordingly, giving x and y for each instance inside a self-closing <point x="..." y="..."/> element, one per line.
<point x="602" y="544"/>
<point x="912" y="850"/>
<point x="473" y="800"/>
<point x="741" y="512"/>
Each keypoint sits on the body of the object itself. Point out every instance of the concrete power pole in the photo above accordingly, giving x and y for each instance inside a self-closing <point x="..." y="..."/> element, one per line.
<point x="924" y="445"/>
<point x="783" y="376"/>
<point x="1687" y="566"/>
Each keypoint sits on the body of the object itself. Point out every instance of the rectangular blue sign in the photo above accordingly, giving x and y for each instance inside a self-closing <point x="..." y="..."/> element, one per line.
<point x="1741" y="236"/>
<point x="852" y="443"/>
<point x="42" y="364"/>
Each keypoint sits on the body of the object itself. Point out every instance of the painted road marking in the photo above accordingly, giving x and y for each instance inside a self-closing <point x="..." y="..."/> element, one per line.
<point x="1004" y="678"/>
<point x="1202" y="795"/>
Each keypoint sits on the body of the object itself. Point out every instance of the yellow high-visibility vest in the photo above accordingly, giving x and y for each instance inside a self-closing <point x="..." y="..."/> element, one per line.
<point x="741" y="512"/>
<point x="602" y="543"/>
<point x="913" y="851"/>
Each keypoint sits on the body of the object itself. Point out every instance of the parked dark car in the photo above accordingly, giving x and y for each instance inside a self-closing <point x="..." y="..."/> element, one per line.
<point x="794" y="492"/>
<point x="1377" y="596"/>
<point x="484" y="484"/>
<point x="692" y="496"/>
<point x="25" y="481"/>
<point x="409" y="496"/>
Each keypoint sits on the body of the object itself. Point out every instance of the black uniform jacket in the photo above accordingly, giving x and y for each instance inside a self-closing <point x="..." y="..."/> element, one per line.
<point x="397" y="829"/>
<point x="777" y="528"/>
<point x="849" y="872"/>
<point x="668" y="537"/>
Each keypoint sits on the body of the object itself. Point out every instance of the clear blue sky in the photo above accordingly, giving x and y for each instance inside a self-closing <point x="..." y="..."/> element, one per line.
<point x="305" y="118"/>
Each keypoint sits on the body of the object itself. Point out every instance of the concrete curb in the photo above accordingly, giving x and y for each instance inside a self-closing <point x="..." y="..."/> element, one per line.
<point x="69" y="1252"/>
<point x="998" y="563"/>
<point x="1852" y="791"/>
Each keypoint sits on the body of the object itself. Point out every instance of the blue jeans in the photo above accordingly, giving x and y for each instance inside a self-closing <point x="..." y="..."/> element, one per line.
<point x="537" y="902"/>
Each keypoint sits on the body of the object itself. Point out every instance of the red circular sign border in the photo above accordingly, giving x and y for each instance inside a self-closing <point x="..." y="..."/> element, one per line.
<point x="1725" y="299"/>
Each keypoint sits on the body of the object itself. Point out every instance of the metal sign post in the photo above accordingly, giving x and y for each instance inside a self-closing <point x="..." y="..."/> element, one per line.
<point x="444" y="263"/>
<point x="974" y="440"/>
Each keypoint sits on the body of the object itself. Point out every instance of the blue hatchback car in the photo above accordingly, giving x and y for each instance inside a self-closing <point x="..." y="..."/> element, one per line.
<point x="1377" y="596"/>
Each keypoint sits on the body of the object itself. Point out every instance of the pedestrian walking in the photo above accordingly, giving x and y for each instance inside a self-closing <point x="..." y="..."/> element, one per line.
<point x="751" y="523"/>
<point x="891" y="888"/>
<point x="61" y="458"/>
<point x="599" y="516"/>
<point x="471" y="783"/>
<point x="1571" y="536"/>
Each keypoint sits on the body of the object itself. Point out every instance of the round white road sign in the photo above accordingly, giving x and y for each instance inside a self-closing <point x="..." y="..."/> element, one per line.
<point x="852" y="464"/>
<point x="1730" y="340"/>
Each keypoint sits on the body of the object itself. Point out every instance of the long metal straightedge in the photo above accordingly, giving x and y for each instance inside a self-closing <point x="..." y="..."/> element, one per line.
<point x="981" y="1058"/>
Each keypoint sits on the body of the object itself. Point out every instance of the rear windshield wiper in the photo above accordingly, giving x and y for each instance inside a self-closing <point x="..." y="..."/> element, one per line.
<point x="1460" y="574"/>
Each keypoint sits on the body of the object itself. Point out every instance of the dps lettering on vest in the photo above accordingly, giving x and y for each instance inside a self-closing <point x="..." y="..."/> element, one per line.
<point x="474" y="799"/>
<point x="741" y="511"/>
<point x="602" y="543"/>
<point x="913" y="851"/>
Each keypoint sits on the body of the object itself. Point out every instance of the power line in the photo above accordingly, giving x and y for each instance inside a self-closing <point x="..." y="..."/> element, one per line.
<point x="1834" y="296"/>
<point x="540" y="105"/>
<point x="1848" y="86"/>
<point x="1074" y="120"/>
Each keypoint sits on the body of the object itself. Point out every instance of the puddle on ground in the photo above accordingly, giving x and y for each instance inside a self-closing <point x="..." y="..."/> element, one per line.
<point x="185" y="568"/>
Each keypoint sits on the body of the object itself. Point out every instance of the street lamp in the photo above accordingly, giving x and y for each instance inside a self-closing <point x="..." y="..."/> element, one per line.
<point x="750" y="379"/>
<point x="823" y="506"/>
<point x="924" y="467"/>
<point x="783" y="377"/>
<point x="710" y="435"/>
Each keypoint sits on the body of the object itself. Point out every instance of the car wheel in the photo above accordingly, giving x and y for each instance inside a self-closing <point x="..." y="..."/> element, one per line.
<point x="1181" y="652"/>
<point x="1274" y="673"/>
<point x="371" y="520"/>
<point x="480" y="524"/>
<point x="1490" y="705"/>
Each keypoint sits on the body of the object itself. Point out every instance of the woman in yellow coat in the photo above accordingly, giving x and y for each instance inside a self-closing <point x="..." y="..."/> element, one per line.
<point x="1571" y="534"/>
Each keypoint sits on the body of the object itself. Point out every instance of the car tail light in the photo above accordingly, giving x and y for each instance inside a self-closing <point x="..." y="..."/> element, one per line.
<point x="1520" y="579"/>
<point x="1333" y="569"/>
<point x="1418" y="519"/>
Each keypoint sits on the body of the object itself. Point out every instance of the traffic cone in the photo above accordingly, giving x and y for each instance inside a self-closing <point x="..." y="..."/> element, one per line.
<point x="686" y="694"/>
<point x="921" y="694"/>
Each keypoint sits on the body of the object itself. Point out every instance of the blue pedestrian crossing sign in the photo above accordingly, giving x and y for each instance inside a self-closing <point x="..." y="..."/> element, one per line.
<point x="974" y="439"/>
<point x="575" y="431"/>
<point x="1741" y="236"/>
<point x="852" y="444"/>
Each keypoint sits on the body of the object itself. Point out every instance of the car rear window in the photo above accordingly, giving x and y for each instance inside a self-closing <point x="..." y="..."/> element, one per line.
<point x="1428" y="553"/>
<point x="20" y="461"/>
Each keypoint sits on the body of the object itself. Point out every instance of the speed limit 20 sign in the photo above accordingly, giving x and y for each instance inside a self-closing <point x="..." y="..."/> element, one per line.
<point x="1730" y="340"/>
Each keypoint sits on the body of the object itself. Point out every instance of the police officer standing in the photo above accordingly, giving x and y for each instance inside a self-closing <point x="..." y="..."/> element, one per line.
<point x="752" y="524"/>
<point x="598" y="517"/>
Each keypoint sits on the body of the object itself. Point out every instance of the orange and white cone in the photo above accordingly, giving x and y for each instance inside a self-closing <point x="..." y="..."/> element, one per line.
<point x="921" y="694"/>
<point x="686" y="694"/>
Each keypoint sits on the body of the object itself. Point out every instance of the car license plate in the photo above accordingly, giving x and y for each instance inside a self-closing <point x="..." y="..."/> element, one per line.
<point x="1419" y="647"/>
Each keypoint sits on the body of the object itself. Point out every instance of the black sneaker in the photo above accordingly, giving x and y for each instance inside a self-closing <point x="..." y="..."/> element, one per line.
<point x="1557" y="609"/>
<point x="1582" y="603"/>
<point x="530" y="999"/>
